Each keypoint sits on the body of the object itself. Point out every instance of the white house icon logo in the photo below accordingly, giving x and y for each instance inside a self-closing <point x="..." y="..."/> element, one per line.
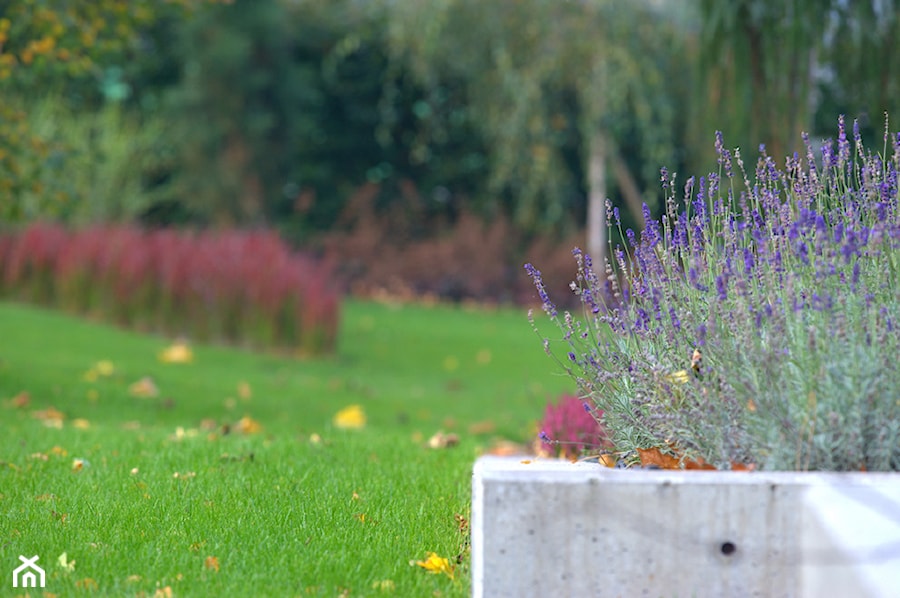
<point x="28" y="573"/>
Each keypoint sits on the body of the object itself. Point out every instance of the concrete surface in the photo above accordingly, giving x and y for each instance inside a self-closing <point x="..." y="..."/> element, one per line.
<point x="553" y="528"/>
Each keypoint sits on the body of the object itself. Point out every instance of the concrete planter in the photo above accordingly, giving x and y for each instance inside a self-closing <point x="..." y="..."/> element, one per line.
<point x="554" y="528"/>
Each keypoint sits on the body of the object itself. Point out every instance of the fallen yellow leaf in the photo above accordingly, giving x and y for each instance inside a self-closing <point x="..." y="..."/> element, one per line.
<point x="178" y="352"/>
<point x="352" y="417"/>
<point x="52" y="418"/>
<point x="104" y="367"/>
<point x="65" y="563"/>
<point x="436" y="564"/>
<point x="144" y="388"/>
<point x="81" y="423"/>
<point x="248" y="425"/>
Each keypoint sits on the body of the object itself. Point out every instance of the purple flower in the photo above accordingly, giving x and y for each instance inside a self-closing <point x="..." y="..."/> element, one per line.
<point x="676" y="323"/>
<point x="721" y="284"/>
<point x="546" y="304"/>
<point x="748" y="260"/>
<point x="724" y="155"/>
<point x="843" y="144"/>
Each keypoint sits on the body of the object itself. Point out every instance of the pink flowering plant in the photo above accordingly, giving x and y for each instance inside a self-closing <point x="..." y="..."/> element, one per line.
<point x="757" y="321"/>
<point x="571" y="428"/>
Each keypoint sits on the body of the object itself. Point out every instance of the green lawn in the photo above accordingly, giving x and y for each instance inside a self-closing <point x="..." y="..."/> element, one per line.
<point x="297" y="508"/>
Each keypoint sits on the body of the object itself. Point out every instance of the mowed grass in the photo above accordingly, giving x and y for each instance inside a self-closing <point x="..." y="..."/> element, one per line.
<point x="174" y="499"/>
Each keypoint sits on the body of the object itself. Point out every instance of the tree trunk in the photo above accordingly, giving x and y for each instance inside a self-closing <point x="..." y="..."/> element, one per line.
<point x="629" y="188"/>
<point x="596" y="209"/>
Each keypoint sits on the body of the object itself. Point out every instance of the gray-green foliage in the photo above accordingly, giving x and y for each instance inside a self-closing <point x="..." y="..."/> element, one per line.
<point x="786" y="288"/>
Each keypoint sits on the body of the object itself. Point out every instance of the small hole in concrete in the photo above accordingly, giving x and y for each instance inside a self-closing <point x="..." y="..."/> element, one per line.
<point x="728" y="548"/>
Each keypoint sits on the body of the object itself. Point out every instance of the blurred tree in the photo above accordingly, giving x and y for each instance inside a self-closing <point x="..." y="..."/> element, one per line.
<point x="771" y="66"/>
<point x="862" y="76"/>
<point x="285" y="109"/>
<point x="68" y="50"/>
<point x="546" y="80"/>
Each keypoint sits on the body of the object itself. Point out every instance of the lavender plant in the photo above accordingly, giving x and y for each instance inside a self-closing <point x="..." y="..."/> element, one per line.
<point x="757" y="320"/>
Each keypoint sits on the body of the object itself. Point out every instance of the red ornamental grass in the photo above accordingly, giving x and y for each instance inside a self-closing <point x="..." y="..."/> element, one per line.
<point x="570" y="426"/>
<point x="234" y="285"/>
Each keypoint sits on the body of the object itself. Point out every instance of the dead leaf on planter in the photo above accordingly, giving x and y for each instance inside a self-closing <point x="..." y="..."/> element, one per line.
<point x="654" y="456"/>
<point x="144" y="388"/>
<point x="607" y="459"/>
<point x="699" y="463"/>
<point x="441" y="440"/>
<point x="743" y="466"/>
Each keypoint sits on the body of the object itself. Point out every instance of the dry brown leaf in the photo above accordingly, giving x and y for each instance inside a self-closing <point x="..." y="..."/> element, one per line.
<point x="144" y="388"/>
<point x="248" y="425"/>
<point x="441" y="440"/>
<point x="211" y="562"/>
<point x="48" y="415"/>
<point x="699" y="463"/>
<point x="20" y="400"/>
<point x="654" y="456"/>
